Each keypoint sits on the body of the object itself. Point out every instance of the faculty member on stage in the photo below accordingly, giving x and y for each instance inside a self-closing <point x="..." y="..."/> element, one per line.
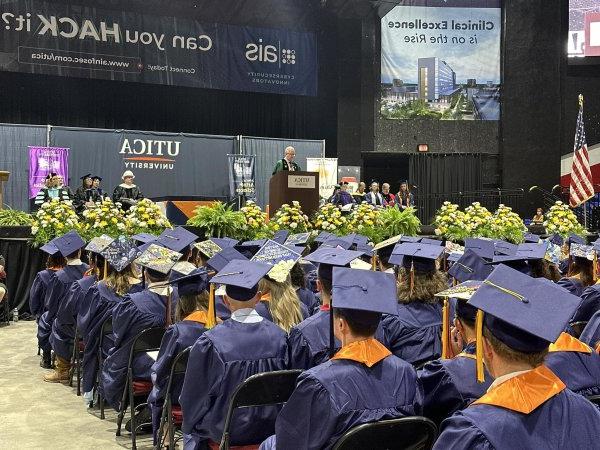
<point x="287" y="163"/>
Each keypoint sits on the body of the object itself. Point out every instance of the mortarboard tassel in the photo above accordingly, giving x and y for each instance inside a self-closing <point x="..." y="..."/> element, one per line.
<point x="595" y="267"/>
<point x="412" y="277"/>
<point x="374" y="262"/>
<point x="446" y="350"/>
<point x="479" y="348"/>
<point x="331" y="334"/>
<point x="105" y="273"/>
<point x="211" y="320"/>
<point x="168" y="311"/>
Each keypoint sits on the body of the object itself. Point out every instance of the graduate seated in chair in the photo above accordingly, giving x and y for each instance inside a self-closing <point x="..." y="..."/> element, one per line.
<point x="306" y="296"/>
<point x="68" y="245"/>
<point x="137" y="312"/>
<point x="191" y="319"/>
<point x="527" y="405"/>
<point x="364" y="382"/>
<point x="591" y="332"/>
<point x="581" y="269"/>
<point x="225" y="356"/>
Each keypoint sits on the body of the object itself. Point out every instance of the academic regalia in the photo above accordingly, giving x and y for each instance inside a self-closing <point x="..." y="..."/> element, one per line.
<point x="309" y="341"/>
<point x="63" y="328"/>
<point x="307" y="298"/>
<point x="127" y="195"/>
<point x="576" y="364"/>
<point x="590" y="303"/>
<point x="591" y="332"/>
<point x="563" y="266"/>
<point x="450" y="385"/>
<point x="39" y="288"/>
<point x="573" y="285"/>
<point x="177" y="338"/>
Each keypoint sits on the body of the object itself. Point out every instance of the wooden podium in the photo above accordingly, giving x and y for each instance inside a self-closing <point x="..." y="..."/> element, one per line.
<point x="286" y="187"/>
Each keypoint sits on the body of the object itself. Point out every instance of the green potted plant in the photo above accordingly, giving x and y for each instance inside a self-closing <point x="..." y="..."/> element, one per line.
<point x="15" y="223"/>
<point x="218" y="220"/>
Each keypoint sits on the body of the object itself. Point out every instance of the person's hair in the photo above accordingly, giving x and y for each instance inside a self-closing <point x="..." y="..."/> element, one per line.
<point x="186" y="254"/>
<point x="187" y="304"/>
<point x="56" y="261"/>
<point x="361" y="323"/>
<point x="284" y="304"/>
<point x="541" y="268"/>
<point x="426" y="285"/>
<point x="466" y="322"/>
<point x="298" y="277"/>
<point x="119" y="282"/>
<point x="74" y="255"/>
<point x="155" y="276"/>
<point x="584" y="268"/>
<point x="511" y="355"/>
<point x="326" y="286"/>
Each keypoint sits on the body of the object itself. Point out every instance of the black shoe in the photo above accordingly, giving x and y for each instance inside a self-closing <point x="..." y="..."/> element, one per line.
<point x="46" y="364"/>
<point x="143" y="421"/>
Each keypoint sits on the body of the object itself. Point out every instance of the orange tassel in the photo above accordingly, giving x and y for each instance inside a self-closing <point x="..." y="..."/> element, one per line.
<point x="211" y="320"/>
<point x="374" y="263"/>
<point x="595" y="266"/>
<point x="446" y="348"/>
<point x="479" y="344"/>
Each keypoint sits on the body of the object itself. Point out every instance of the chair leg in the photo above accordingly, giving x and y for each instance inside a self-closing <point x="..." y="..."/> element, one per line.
<point x="161" y="423"/>
<point x="132" y="411"/>
<point x="39" y="350"/>
<point x="171" y="425"/>
<point x="123" y="403"/>
<point x="101" y="403"/>
<point x="73" y="361"/>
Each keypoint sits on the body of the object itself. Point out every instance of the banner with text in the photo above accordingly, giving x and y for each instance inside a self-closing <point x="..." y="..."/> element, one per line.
<point x="57" y="38"/>
<point x="43" y="161"/>
<point x="441" y="59"/>
<point x="327" y="168"/>
<point x="241" y="176"/>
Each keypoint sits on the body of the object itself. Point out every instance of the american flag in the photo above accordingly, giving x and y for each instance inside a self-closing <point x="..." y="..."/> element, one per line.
<point x="582" y="188"/>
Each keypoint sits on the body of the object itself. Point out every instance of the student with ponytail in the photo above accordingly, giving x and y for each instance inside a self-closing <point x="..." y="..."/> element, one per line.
<point x="280" y="303"/>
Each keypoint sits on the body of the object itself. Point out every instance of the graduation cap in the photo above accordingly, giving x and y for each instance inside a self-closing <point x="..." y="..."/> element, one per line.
<point x="89" y="175"/>
<point x="525" y="252"/>
<point x="279" y="257"/>
<point x="554" y="253"/>
<point x="142" y="248"/>
<point x="417" y="256"/>
<point x="224" y="257"/>
<point x="296" y="239"/>
<point x="356" y="238"/>
<point x="556" y="239"/>
<point x="281" y="236"/>
<point x="524" y="313"/>
<point x="582" y="251"/>
<point x="69" y="243"/>
<point x="410" y="239"/>
<point x="224" y="242"/>
<point x="98" y="244"/>
<point x="363" y="290"/>
<point x="50" y="248"/>
<point x="327" y="258"/>
<point x="574" y="239"/>
<point x="431" y="241"/>
<point x="470" y="266"/>
<point x="335" y="241"/>
<point x="157" y="258"/>
<point x="208" y="248"/>
<point x="177" y="239"/>
<point x="454" y="256"/>
<point x="241" y="278"/>
<point x="322" y="237"/>
<point x="365" y="249"/>
<point x="96" y="177"/>
<point x="120" y="253"/>
<point x="360" y="264"/>
<point x="505" y="248"/>
<point x="144" y="238"/>
<point x="193" y="284"/>
<point x="530" y="237"/>
<point x="483" y="247"/>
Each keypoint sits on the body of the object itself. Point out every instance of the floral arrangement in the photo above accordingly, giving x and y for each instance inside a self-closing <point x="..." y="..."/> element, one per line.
<point x="507" y="225"/>
<point x="104" y="217"/>
<point x="219" y="220"/>
<point x="329" y="218"/>
<point x="365" y="215"/>
<point x="290" y="217"/>
<point x="450" y="222"/>
<point x="54" y="218"/>
<point x="146" y="217"/>
<point x="478" y="220"/>
<point x="562" y="220"/>
<point x="281" y="270"/>
<point x="256" y="222"/>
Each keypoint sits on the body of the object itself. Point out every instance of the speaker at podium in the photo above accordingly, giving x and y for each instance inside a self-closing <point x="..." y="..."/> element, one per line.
<point x="286" y="186"/>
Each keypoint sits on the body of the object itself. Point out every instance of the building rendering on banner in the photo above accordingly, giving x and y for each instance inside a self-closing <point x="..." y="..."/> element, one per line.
<point x="436" y="78"/>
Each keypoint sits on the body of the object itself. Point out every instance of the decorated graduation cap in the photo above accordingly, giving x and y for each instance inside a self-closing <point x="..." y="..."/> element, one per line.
<point x="208" y="248"/>
<point x="530" y="237"/>
<point x="462" y="293"/>
<point x="280" y="257"/>
<point x="120" y="253"/>
<point x="69" y="243"/>
<point x="470" y="266"/>
<point x="281" y="236"/>
<point x="524" y="313"/>
<point x="327" y="258"/>
<point x="193" y="284"/>
<point x="582" y="251"/>
<point x="50" y="248"/>
<point x="483" y="247"/>
<point x="158" y="258"/>
<point x="224" y="257"/>
<point x="297" y="239"/>
<point x="177" y="239"/>
<point x="98" y="244"/>
<point x="144" y="238"/>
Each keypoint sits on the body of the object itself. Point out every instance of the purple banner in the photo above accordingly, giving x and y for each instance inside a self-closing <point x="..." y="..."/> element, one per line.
<point x="44" y="160"/>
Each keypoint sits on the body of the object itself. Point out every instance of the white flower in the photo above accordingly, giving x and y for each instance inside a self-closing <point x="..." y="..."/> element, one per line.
<point x="281" y="271"/>
<point x="293" y="225"/>
<point x="34" y="230"/>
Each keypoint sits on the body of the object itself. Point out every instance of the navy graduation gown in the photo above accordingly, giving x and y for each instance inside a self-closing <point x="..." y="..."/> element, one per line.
<point x="134" y="314"/>
<point x="565" y="421"/>
<point x="219" y="361"/>
<point x="221" y="308"/>
<point x="262" y="308"/>
<point x="414" y="335"/>
<point x="338" y="395"/>
<point x="591" y="332"/>
<point x="37" y="293"/>
<point x="573" y="285"/>
<point x="63" y="328"/>
<point x="307" y="298"/>
<point x="309" y="342"/>
<point x="590" y="303"/>
<point x="57" y="290"/>
<point x="177" y="338"/>
<point x="450" y="385"/>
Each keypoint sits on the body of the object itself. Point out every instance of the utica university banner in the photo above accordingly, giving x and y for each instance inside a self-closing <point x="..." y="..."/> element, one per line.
<point x="44" y="160"/>
<point x="66" y="39"/>
<point x="242" y="180"/>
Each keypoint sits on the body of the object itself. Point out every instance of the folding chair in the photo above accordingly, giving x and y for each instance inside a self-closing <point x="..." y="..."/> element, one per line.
<point x="578" y="327"/>
<point x="595" y="399"/>
<point x="269" y="388"/>
<point x="414" y="433"/>
<point x="146" y="341"/>
<point x="171" y="414"/>
<point x="76" y="358"/>
<point x="105" y="331"/>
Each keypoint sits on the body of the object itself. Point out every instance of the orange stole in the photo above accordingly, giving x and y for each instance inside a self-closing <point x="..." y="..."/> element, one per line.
<point x="198" y="316"/>
<point x="567" y="343"/>
<point x="598" y="348"/>
<point x="368" y="352"/>
<point x="524" y="393"/>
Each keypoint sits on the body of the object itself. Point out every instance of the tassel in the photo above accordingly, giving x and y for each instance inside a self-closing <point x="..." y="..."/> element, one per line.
<point x="211" y="319"/>
<point x="595" y="267"/>
<point x="479" y="348"/>
<point x="105" y="273"/>
<point x="412" y="278"/>
<point x="168" y="311"/>
<point x="446" y="348"/>
<point x="374" y="262"/>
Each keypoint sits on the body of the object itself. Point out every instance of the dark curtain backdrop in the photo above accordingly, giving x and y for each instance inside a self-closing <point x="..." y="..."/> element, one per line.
<point x="435" y="174"/>
<point x="23" y="262"/>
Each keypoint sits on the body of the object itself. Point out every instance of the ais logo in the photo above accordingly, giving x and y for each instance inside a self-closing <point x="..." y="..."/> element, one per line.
<point x="269" y="53"/>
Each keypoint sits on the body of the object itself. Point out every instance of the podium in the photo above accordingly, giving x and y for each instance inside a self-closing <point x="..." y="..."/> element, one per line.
<point x="286" y="187"/>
